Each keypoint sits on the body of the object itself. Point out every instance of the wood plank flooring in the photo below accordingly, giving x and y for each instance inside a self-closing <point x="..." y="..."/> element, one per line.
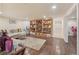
<point x="54" y="46"/>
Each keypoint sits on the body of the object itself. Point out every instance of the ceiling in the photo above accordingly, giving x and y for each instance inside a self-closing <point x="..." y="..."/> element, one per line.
<point x="36" y="10"/>
<point x="73" y="15"/>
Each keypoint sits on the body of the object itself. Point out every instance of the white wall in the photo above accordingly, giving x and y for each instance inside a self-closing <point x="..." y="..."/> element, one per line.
<point x="69" y="13"/>
<point x="65" y="30"/>
<point x="23" y="24"/>
<point x="4" y="24"/>
<point x="58" y="27"/>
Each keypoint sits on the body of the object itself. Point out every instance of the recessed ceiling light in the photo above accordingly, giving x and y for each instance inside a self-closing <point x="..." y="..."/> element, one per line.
<point x="54" y="7"/>
<point x="44" y="16"/>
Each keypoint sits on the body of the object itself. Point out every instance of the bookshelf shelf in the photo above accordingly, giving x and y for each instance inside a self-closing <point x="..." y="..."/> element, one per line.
<point x="41" y="27"/>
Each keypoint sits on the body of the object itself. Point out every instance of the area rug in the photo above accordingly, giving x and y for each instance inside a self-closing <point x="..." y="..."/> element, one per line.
<point x="30" y="42"/>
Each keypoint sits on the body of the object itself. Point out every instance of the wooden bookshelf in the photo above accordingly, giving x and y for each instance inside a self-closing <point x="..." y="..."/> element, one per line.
<point x="41" y="27"/>
<point x="47" y="26"/>
<point x="32" y="25"/>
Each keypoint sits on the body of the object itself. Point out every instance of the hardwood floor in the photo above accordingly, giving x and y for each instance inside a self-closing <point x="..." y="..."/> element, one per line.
<point x="54" y="46"/>
<point x="72" y="45"/>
